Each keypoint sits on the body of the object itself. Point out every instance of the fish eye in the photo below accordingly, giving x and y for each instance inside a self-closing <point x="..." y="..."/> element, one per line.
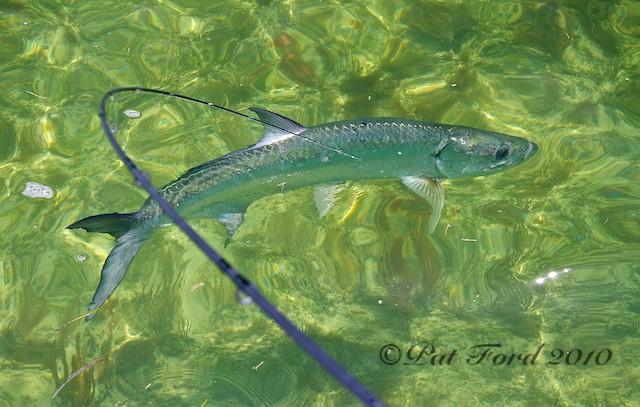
<point x="502" y="152"/>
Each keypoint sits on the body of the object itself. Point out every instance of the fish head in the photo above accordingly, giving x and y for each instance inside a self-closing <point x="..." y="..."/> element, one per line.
<point x="469" y="152"/>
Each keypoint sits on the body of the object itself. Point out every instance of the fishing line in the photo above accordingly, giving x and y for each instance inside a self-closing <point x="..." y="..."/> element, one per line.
<point x="242" y="283"/>
<point x="226" y="109"/>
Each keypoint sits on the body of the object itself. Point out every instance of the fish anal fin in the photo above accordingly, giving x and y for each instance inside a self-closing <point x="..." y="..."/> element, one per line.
<point x="325" y="196"/>
<point x="431" y="190"/>
<point x="231" y="222"/>
<point x="277" y="127"/>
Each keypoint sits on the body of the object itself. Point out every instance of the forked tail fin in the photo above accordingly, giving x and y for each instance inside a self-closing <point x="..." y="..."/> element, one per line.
<point x="115" y="224"/>
<point x="130" y="236"/>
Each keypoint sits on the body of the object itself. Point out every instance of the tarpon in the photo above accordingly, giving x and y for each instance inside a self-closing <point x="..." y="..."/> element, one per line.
<point x="291" y="156"/>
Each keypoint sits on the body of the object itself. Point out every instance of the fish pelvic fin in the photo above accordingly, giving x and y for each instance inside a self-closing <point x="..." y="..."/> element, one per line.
<point x="115" y="224"/>
<point x="325" y="197"/>
<point x="430" y="189"/>
<point x="116" y="265"/>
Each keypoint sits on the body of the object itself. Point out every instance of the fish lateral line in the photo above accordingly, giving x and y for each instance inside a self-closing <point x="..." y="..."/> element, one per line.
<point x="212" y="105"/>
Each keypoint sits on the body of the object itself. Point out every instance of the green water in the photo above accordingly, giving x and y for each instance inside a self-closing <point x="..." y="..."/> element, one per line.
<point x="564" y="74"/>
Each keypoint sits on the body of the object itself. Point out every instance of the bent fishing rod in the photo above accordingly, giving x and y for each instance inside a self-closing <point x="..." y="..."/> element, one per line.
<point x="244" y="285"/>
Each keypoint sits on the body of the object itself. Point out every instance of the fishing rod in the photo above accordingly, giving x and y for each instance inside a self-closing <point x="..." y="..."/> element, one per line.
<point x="244" y="285"/>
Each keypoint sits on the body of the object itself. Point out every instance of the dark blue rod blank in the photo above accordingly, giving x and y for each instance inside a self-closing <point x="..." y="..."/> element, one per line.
<point x="242" y="283"/>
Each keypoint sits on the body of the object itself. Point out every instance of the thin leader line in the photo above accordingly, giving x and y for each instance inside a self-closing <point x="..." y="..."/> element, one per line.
<point x="226" y="109"/>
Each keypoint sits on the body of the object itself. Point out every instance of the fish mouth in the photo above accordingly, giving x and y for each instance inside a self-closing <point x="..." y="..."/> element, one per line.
<point x="531" y="150"/>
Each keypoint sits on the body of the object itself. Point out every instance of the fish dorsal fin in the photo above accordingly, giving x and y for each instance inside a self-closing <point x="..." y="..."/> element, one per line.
<point x="325" y="196"/>
<point x="284" y="127"/>
<point x="431" y="190"/>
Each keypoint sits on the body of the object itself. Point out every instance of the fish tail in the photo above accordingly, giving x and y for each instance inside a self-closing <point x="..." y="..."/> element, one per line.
<point x="130" y="234"/>
<point x="115" y="224"/>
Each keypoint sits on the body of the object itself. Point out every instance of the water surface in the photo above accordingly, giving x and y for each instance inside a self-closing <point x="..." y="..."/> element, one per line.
<point x="564" y="74"/>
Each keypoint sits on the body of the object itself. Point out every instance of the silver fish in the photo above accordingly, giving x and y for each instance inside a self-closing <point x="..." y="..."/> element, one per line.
<point x="291" y="156"/>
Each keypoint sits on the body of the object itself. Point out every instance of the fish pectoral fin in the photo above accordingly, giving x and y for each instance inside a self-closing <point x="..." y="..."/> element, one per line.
<point x="277" y="127"/>
<point x="231" y="222"/>
<point x="431" y="190"/>
<point x="325" y="197"/>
